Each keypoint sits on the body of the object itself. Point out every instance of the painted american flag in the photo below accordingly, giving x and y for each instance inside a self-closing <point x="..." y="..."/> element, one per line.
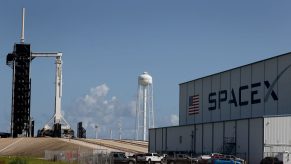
<point x="193" y="105"/>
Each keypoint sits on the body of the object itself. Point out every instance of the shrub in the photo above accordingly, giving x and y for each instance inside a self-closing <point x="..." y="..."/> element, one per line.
<point x="18" y="161"/>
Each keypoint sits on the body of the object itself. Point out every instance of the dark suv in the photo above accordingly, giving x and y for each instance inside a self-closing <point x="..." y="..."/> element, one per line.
<point x="181" y="159"/>
<point x="271" y="160"/>
<point x="121" y="158"/>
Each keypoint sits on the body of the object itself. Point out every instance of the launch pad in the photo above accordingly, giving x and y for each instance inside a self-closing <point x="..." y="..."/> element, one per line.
<point x="21" y="123"/>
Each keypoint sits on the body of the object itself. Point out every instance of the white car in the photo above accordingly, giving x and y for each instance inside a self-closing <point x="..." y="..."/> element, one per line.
<point x="150" y="158"/>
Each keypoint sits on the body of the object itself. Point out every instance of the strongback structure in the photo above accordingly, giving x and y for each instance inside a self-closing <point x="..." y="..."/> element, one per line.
<point x="243" y="111"/>
<point x="57" y="126"/>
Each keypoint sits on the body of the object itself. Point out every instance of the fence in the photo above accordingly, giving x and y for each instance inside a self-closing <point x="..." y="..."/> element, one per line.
<point x="97" y="156"/>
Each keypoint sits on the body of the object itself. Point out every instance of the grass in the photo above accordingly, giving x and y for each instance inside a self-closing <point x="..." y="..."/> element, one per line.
<point x="27" y="160"/>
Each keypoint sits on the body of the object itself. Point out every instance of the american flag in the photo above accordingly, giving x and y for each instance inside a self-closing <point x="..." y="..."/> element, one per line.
<point x="193" y="105"/>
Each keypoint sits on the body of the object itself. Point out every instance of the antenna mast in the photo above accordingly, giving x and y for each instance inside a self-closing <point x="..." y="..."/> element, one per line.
<point x="22" y="29"/>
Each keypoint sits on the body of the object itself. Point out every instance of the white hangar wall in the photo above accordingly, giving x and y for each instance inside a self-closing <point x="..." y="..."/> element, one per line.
<point x="277" y="134"/>
<point x="251" y="139"/>
<point x="254" y="90"/>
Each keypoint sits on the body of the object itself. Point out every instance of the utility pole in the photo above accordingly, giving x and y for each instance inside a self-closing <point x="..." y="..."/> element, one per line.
<point x="119" y="133"/>
<point x="119" y="126"/>
<point x="111" y="134"/>
<point x="96" y="127"/>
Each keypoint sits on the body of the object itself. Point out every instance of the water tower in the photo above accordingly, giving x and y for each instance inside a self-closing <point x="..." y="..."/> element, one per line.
<point x="144" y="110"/>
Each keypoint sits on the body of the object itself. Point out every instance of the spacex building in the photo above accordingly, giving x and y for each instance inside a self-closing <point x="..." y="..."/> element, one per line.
<point x="245" y="111"/>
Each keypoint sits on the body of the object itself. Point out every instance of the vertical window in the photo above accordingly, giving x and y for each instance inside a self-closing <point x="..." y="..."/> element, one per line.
<point x="180" y="139"/>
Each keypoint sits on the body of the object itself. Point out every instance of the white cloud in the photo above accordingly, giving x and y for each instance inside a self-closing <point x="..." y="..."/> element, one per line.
<point x="97" y="107"/>
<point x="174" y="119"/>
<point x="99" y="91"/>
<point x="168" y="120"/>
<point x="95" y="94"/>
<point x="132" y="107"/>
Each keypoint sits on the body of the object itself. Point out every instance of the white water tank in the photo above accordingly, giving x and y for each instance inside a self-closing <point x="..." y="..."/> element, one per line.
<point x="145" y="79"/>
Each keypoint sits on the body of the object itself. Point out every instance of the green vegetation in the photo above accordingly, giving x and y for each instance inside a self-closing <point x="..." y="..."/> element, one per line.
<point x="27" y="160"/>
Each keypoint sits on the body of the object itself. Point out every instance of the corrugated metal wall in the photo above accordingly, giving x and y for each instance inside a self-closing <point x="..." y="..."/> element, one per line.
<point x="179" y="139"/>
<point x="241" y="137"/>
<point x="218" y="137"/>
<point x="183" y="104"/>
<point x="255" y="90"/>
<point x="277" y="134"/>
<point x="250" y="139"/>
<point x="198" y="139"/>
<point x="271" y="71"/>
<point x="224" y="107"/>
<point x="190" y="90"/>
<point x="159" y="140"/>
<point x="284" y="87"/>
<point x="152" y="140"/>
<point x="207" y="138"/>
<point x="256" y="132"/>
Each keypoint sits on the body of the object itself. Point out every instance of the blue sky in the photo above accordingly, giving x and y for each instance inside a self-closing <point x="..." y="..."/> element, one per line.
<point x="107" y="44"/>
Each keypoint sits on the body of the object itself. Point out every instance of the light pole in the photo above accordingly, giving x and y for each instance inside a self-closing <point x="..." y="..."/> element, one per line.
<point x="119" y="126"/>
<point x="120" y="133"/>
<point x="96" y="127"/>
<point x="111" y="134"/>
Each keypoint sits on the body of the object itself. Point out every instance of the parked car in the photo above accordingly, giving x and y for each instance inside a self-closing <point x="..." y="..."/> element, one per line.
<point x="181" y="159"/>
<point x="232" y="157"/>
<point x="138" y="155"/>
<point x="217" y="156"/>
<point x="204" y="159"/>
<point x="150" y="158"/>
<point x="271" y="160"/>
<point x="121" y="158"/>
